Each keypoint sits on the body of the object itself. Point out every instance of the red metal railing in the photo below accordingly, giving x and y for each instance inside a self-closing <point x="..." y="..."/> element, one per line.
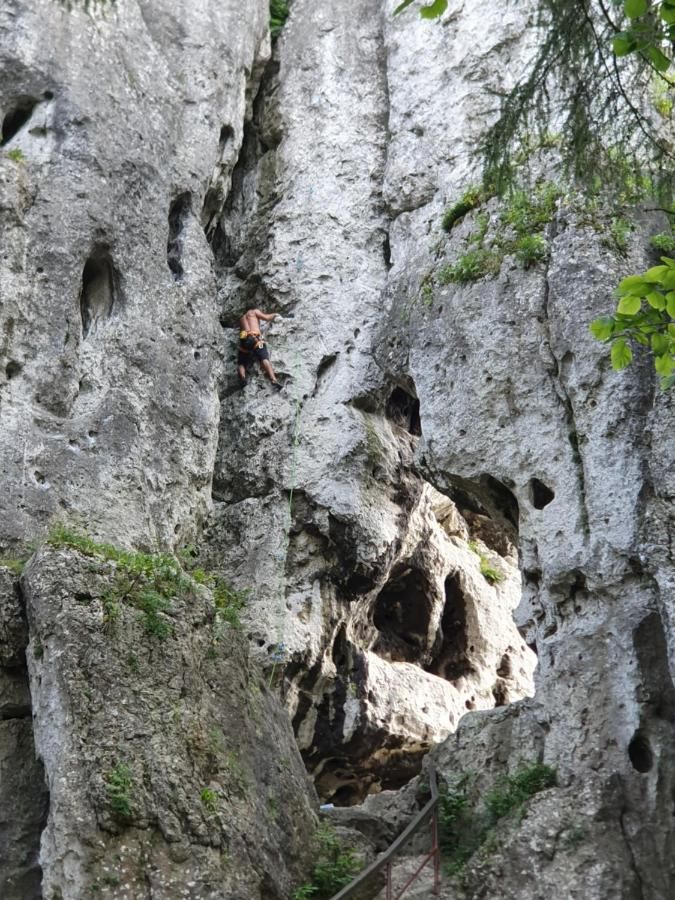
<point x="428" y="812"/>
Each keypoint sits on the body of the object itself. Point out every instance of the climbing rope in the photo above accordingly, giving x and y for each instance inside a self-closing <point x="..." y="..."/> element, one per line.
<point x="279" y="653"/>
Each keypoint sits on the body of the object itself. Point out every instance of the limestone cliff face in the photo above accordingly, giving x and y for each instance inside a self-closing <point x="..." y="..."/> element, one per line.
<point x="441" y="458"/>
<point x="121" y="125"/>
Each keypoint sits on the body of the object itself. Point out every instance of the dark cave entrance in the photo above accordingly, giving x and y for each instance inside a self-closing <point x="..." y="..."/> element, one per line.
<point x="402" y="615"/>
<point x="403" y="408"/>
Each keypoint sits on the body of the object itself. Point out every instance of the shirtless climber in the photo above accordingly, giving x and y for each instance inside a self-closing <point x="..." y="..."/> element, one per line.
<point x="252" y="346"/>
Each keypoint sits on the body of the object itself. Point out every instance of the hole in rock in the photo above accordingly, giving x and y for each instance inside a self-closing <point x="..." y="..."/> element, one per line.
<point x="12" y="369"/>
<point x="17" y="118"/>
<point x="402" y="615"/>
<point x="540" y="494"/>
<point x="451" y="661"/>
<point x="418" y="645"/>
<point x="340" y="652"/>
<point x="178" y="213"/>
<point x="404" y="410"/>
<point x="97" y="297"/>
<point x="640" y="752"/>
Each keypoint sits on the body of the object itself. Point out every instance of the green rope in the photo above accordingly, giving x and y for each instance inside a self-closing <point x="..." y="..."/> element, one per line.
<point x="280" y="649"/>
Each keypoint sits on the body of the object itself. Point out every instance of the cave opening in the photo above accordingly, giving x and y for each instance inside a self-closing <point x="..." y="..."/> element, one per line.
<point x="97" y="295"/>
<point x="402" y="615"/>
<point x="17" y="118"/>
<point x="451" y="660"/>
<point x="403" y="409"/>
<point x="640" y="752"/>
<point x="540" y="494"/>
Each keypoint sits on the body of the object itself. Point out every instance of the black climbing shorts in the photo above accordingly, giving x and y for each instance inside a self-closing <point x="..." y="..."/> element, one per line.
<point x="248" y="354"/>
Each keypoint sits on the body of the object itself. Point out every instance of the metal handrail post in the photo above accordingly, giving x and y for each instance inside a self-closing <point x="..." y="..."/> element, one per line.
<point x="436" y="850"/>
<point x="389" y="884"/>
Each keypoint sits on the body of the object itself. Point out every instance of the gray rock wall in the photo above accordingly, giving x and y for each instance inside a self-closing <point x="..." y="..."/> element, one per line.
<point x="160" y="172"/>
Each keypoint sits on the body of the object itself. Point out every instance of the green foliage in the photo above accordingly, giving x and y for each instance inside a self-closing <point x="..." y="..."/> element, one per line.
<point x="620" y="230"/>
<point x="664" y="243"/>
<point x="530" y="210"/>
<point x="531" y="249"/>
<point x="471" y="198"/>
<point x="471" y="266"/>
<point x="149" y="582"/>
<point x="119" y="785"/>
<point x="521" y="219"/>
<point x="16" y="155"/>
<point x="651" y="24"/>
<point x="512" y="792"/>
<point x="645" y="316"/>
<point x="431" y="10"/>
<point x="583" y="50"/>
<point x="210" y="800"/>
<point x="334" y="868"/>
<point x="467" y="827"/>
<point x="16" y="565"/>
<point x="489" y="573"/>
<point x="278" y="14"/>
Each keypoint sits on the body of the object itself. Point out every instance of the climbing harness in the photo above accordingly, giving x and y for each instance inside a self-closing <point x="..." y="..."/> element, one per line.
<point x="250" y="340"/>
<point x="279" y="653"/>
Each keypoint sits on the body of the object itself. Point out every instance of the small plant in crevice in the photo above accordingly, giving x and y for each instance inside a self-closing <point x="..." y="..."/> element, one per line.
<point x="15" y="564"/>
<point x="119" y="786"/>
<point x="663" y="243"/>
<point x="468" y="823"/>
<point x="531" y="249"/>
<point x="489" y="573"/>
<point x="16" y="155"/>
<point x="335" y="866"/>
<point x="279" y="12"/>
<point x="210" y="800"/>
<point x="471" y="266"/>
<point x="511" y="792"/>
<point x="620" y="230"/>
<point x="472" y="197"/>
<point x="229" y="601"/>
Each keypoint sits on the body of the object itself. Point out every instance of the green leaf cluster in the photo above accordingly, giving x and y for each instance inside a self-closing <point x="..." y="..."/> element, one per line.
<point x="16" y="155"/>
<point x="15" y="565"/>
<point x="511" y="793"/>
<point x="278" y="14"/>
<point x="531" y="249"/>
<point x="652" y="25"/>
<point x="335" y="867"/>
<point x="210" y="800"/>
<point x="645" y="315"/>
<point x="119" y="785"/>
<point x="427" y="11"/>
<point x="488" y="571"/>
<point x="664" y="243"/>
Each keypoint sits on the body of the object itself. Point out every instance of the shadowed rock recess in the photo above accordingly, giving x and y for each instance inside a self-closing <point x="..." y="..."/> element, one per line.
<point x="454" y="525"/>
